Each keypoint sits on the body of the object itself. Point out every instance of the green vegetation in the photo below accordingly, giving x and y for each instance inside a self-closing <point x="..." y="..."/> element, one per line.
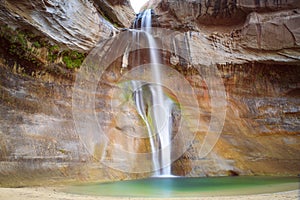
<point x="20" y="39"/>
<point x="36" y="44"/>
<point x="53" y="53"/>
<point x="73" y="59"/>
<point x="26" y="48"/>
<point x="63" y="151"/>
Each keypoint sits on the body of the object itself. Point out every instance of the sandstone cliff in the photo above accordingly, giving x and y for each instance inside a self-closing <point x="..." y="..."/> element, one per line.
<point x="42" y="44"/>
<point x="76" y="24"/>
<point x="187" y="14"/>
<point x="254" y="44"/>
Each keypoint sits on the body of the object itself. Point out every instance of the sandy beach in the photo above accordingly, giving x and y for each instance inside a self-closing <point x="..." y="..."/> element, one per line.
<point x="45" y="193"/>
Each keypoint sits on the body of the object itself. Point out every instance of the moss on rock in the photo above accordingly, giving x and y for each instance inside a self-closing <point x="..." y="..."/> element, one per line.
<point x="33" y="51"/>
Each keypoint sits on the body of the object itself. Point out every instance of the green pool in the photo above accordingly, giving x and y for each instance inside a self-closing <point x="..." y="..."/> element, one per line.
<point x="189" y="187"/>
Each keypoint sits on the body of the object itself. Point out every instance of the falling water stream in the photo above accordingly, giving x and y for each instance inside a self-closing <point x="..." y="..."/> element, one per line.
<point x="155" y="109"/>
<point x="157" y="115"/>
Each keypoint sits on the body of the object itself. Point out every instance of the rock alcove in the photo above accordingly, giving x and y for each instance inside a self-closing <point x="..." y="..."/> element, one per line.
<point x="253" y="44"/>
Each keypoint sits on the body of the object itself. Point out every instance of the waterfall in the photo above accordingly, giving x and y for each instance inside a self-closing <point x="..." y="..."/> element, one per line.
<point x="156" y="111"/>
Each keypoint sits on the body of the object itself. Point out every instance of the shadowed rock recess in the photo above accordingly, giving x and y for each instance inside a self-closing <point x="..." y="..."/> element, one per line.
<point x="255" y="45"/>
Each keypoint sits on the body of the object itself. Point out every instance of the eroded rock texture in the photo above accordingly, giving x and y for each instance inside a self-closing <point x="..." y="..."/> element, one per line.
<point x="76" y="24"/>
<point x="254" y="44"/>
<point x="185" y="14"/>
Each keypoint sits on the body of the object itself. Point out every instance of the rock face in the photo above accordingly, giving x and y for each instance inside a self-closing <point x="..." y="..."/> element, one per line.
<point x="261" y="121"/>
<point x="258" y="57"/>
<point x="36" y="89"/>
<point x="185" y="14"/>
<point x="276" y="32"/>
<point x="75" y="24"/>
<point x="253" y="44"/>
<point x="117" y="11"/>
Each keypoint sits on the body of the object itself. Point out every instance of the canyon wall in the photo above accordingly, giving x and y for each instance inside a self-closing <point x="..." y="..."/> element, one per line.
<point x="187" y="14"/>
<point x="77" y="24"/>
<point x="254" y="45"/>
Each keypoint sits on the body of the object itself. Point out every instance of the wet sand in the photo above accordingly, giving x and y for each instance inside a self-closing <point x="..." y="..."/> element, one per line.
<point x="47" y="193"/>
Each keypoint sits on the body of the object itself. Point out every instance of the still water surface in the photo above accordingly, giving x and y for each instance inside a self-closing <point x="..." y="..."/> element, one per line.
<point x="189" y="187"/>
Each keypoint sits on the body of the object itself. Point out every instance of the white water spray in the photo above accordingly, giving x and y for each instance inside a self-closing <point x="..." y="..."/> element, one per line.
<point x="160" y="108"/>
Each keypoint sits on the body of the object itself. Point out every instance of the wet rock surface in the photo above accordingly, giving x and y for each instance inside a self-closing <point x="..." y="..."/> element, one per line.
<point x="261" y="120"/>
<point x="257" y="54"/>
